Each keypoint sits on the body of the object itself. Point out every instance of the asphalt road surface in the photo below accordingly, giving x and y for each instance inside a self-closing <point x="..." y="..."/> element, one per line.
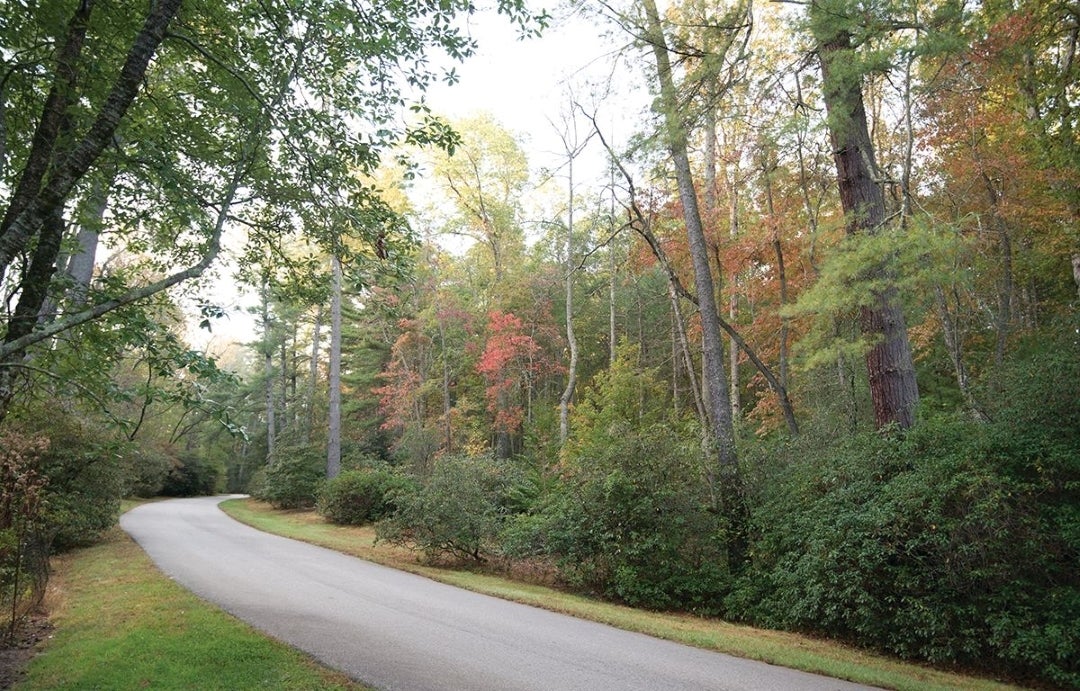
<point x="395" y="630"/>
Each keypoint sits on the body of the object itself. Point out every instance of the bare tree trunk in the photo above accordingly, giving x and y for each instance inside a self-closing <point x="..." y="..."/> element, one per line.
<point x="268" y="371"/>
<point x="687" y="357"/>
<point x="80" y="265"/>
<point x="612" y="275"/>
<point x="954" y="344"/>
<point x="781" y="273"/>
<point x="571" y="339"/>
<point x="448" y="436"/>
<point x="1003" y="317"/>
<point x="333" y="440"/>
<point x="283" y="358"/>
<point x="611" y="304"/>
<point x="891" y="368"/>
<point x="731" y="492"/>
<point x="712" y="208"/>
<point x="804" y="187"/>
<point x="674" y="368"/>
<point x="733" y="302"/>
<point x="313" y="373"/>
<point x="785" y="323"/>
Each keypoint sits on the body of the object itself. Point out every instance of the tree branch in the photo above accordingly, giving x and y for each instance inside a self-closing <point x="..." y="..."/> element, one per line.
<point x="641" y="227"/>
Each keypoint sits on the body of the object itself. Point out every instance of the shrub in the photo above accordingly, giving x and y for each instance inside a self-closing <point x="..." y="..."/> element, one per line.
<point x="632" y="521"/>
<point x="458" y="511"/>
<point x="357" y="497"/>
<point x="24" y="549"/>
<point x="145" y="471"/>
<point x="190" y="475"/>
<point x="85" y="475"/>
<point x="291" y="479"/>
<point x="950" y="544"/>
<point x="86" y="481"/>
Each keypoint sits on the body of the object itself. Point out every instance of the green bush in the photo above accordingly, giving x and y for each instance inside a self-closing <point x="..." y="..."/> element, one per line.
<point x="954" y="543"/>
<point x="145" y="469"/>
<point x="358" y="497"/>
<point x="458" y="511"/>
<point x="190" y="475"/>
<point x="85" y="475"/>
<point x="291" y="479"/>
<point x="632" y="520"/>
<point x="86" y="482"/>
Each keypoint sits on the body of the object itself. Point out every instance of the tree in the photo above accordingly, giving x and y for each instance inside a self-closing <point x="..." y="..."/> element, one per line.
<point x="486" y="176"/>
<point x="511" y="363"/>
<point x="573" y="146"/>
<point x="267" y="98"/>
<point x="889" y="362"/>
<point x="333" y="442"/>
<point x="723" y="435"/>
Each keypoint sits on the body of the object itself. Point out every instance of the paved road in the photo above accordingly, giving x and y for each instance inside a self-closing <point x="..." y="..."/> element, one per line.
<point x="395" y="630"/>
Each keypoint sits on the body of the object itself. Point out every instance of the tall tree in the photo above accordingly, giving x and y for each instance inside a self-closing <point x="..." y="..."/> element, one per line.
<point x="723" y="434"/>
<point x="573" y="146"/>
<point x="333" y="441"/>
<point x="486" y="177"/>
<point x="890" y="365"/>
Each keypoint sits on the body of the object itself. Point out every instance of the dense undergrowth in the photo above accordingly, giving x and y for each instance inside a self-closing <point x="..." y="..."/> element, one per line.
<point x="61" y="482"/>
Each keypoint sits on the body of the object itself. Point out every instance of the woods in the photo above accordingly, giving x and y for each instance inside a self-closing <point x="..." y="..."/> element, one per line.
<point x="800" y="350"/>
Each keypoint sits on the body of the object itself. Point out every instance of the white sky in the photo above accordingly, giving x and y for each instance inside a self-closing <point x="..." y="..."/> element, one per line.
<point x="525" y="85"/>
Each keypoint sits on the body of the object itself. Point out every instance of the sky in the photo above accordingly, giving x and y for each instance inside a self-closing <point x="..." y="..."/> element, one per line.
<point x="525" y="84"/>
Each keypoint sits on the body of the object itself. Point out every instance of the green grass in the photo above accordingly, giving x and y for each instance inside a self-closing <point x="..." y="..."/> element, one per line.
<point x="776" y="647"/>
<point x="121" y="624"/>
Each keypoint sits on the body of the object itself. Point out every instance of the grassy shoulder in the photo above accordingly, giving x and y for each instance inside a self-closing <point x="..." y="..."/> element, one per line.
<point x="121" y="624"/>
<point x="780" y="648"/>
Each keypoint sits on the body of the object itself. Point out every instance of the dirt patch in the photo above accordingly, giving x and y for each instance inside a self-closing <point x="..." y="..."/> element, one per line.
<point x="16" y="654"/>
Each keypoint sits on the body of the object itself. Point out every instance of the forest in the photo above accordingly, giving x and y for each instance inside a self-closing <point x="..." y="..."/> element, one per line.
<point x="801" y="351"/>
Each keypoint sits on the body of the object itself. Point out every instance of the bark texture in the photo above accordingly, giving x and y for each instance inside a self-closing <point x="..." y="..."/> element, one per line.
<point x="891" y="369"/>
<point x="730" y="488"/>
<point x="333" y="442"/>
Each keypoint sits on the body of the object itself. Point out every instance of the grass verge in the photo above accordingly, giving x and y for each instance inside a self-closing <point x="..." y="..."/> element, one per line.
<point x="121" y="624"/>
<point x="775" y="647"/>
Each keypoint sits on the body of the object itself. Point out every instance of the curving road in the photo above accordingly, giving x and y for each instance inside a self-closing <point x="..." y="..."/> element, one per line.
<point x="395" y="630"/>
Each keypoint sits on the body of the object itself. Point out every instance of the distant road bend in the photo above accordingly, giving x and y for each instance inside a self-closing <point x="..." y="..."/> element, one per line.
<point x="395" y="630"/>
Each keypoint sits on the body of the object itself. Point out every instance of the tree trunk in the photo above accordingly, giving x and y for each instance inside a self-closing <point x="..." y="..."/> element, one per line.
<point x="268" y="372"/>
<point x="448" y="431"/>
<point x="54" y="123"/>
<point x="22" y="224"/>
<point x="571" y="339"/>
<point x="954" y="344"/>
<point x="612" y="275"/>
<point x="889" y="363"/>
<point x="733" y="302"/>
<point x="674" y="368"/>
<point x="731" y="492"/>
<point x="781" y="273"/>
<point x="333" y="439"/>
<point x="80" y="266"/>
<point x="313" y="373"/>
<point x="611" y="301"/>
<point x="687" y="357"/>
<point x="286" y="375"/>
<point x="1003" y="317"/>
